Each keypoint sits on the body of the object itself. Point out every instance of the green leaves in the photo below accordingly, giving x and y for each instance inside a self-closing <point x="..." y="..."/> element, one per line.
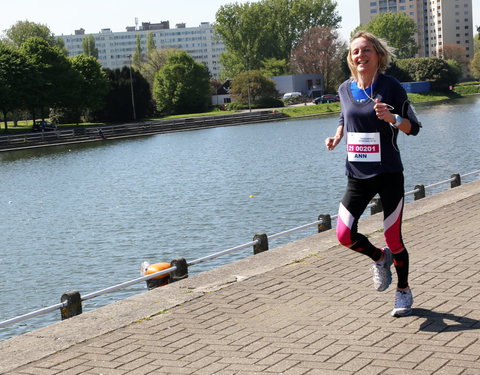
<point x="182" y="85"/>
<point x="256" y="32"/>
<point x="397" y="29"/>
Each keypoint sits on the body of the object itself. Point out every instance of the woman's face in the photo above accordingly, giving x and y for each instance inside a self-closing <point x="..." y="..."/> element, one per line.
<point x="364" y="56"/>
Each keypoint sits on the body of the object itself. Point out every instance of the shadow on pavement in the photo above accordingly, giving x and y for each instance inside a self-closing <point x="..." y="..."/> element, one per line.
<point x="439" y="322"/>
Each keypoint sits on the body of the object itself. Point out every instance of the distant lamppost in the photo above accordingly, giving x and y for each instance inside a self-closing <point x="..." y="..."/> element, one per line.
<point x="248" y="84"/>
<point x="131" y="90"/>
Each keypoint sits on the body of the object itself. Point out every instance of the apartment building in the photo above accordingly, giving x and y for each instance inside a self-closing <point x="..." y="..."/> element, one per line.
<point x="115" y="48"/>
<point x="439" y="22"/>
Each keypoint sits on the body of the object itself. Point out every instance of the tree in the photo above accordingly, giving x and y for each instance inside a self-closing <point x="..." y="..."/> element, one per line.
<point x="182" y="85"/>
<point x="475" y="65"/>
<point x="252" y="86"/>
<point x="432" y="69"/>
<point x="88" y="45"/>
<point x="118" y="105"/>
<point x="92" y="88"/>
<point x="457" y="53"/>
<point x="138" y="54"/>
<point x="155" y="60"/>
<point x="255" y="32"/>
<point x="23" y="30"/>
<point x="320" y="51"/>
<point x="14" y="80"/>
<point x="274" y="67"/>
<point x="53" y="82"/>
<point x="397" y="29"/>
<point x="151" y="46"/>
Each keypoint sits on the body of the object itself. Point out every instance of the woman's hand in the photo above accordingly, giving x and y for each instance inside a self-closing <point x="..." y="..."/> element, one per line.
<point x="332" y="142"/>
<point x="383" y="112"/>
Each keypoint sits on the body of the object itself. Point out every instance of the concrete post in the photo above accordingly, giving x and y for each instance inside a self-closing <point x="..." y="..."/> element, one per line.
<point x="456" y="180"/>
<point x="377" y="207"/>
<point x="181" y="272"/>
<point x="73" y="306"/>
<point x="325" y="222"/>
<point x="262" y="244"/>
<point x="420" y="193"/>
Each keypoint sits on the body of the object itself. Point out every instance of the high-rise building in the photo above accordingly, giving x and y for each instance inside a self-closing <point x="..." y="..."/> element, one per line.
<point x="439" y="22"/>
<point x="115" y="48"/>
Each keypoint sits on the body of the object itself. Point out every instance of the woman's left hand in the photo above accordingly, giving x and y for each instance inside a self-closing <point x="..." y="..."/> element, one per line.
<point x="382" y="111"/>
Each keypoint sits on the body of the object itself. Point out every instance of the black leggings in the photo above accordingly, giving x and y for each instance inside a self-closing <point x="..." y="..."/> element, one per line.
<point x="358" y="195"/>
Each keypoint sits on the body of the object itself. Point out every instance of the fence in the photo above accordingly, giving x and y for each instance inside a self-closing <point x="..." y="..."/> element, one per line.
<point x="94" y="133"/>
<point x="71" y="302"/>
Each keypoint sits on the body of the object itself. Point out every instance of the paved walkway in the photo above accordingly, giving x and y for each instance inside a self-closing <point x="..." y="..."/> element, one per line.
<point x="305" y="308"/>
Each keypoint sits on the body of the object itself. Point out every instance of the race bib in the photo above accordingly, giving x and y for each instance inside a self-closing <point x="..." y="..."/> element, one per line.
<point x="363" y="147"/>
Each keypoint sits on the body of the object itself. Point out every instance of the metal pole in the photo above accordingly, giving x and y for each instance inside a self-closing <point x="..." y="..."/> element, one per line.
<point x="131" y="90"/>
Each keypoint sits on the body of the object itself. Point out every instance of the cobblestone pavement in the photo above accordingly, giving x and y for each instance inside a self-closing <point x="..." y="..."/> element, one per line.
<point x="317" y="314"/>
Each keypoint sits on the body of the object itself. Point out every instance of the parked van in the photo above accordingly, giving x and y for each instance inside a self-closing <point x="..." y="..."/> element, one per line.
<point x="292" y="94"/>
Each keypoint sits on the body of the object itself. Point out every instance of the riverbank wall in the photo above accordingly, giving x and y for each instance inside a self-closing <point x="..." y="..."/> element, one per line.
<point x="86" y="134"/>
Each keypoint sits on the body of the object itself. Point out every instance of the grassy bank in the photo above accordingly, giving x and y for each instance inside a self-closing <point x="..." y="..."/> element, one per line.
<point x="294" y="111"/>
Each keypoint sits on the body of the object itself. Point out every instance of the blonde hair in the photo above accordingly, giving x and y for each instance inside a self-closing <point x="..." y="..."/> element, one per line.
<point x="385" y="53"/>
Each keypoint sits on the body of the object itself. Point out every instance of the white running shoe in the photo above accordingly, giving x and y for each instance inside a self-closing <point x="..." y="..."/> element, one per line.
<point x="382" y="275"/>
<point x="403" y="303"/>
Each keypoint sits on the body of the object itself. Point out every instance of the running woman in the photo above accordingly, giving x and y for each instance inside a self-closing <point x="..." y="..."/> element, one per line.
<point x="375" y="108"/>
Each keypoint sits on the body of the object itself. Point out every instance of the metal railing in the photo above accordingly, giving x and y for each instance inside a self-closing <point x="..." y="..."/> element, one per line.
<point x="259" y="243"/>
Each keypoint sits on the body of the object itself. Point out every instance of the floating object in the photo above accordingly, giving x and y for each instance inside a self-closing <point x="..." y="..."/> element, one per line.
<point x="149" y="269"/>
<point x="252" y="196"/>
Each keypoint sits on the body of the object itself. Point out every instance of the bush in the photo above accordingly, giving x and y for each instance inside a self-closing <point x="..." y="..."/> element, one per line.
<point x="296" y="100"/>
<point x="269" y="103"/>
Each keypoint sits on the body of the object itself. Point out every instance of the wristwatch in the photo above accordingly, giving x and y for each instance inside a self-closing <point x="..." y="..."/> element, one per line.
<point x="398" y="121"/>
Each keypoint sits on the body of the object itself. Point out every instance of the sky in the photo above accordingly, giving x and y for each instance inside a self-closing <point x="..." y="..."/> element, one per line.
<point x="64" y="17"/>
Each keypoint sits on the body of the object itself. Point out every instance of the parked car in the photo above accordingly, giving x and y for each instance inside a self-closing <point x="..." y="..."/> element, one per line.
<point x="40" y="126"/>
<point x="292" y="94"/>
<point x="327" y="98"/>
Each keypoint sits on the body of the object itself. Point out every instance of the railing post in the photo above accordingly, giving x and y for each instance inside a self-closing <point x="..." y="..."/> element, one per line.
<point x="262" y="244"/>
<point x="456" y="180"/>
<point x="377" y="207"/>
<point x="325" y="222"/>
<point x="420" y="193"/>
<point x="74" y="304"/>
<point x="181" y="272"/>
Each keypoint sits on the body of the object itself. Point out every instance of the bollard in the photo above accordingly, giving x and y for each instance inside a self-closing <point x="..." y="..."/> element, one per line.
<point x="74" y="304"/>
<point x="325" y="222"/>
<point x="262" y="244"/>
<point x="420" y="193"/>
<point x="456" y="180"/>
<point x="377" y="207"/>
<point x="181" y="272"/>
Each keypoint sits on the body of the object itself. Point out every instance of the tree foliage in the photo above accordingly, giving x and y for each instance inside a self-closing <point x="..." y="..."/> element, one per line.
<point x="151" y="46"/>
<point x="432" y="69"/>
<point x="53" y="81"/>
<point x="23" y="30"/>
<point x="255" y="32"/>
<point x="320" y="52"/>
<point x="398" y="29"/>
<point x="118" y="105"/>
<point x="182" y="85"/>
<point x="475" y="65"/>
<point x="138" y="53"/>
<point x="155" y="60"/>
<point x="252" y="86"/>
<point x="88" y="46"/>
<point x="14" y="80"/>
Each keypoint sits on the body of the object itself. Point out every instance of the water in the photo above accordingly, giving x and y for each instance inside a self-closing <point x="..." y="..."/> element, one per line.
<point x="84" y="217"/>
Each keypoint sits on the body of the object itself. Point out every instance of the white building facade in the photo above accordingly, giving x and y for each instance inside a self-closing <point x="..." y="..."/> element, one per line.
<point x="439" y="22"/>
<point x="115" y="48"/>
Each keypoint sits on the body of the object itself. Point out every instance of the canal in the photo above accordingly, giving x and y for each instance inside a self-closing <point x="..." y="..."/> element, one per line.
<point x="84" y="217"/>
